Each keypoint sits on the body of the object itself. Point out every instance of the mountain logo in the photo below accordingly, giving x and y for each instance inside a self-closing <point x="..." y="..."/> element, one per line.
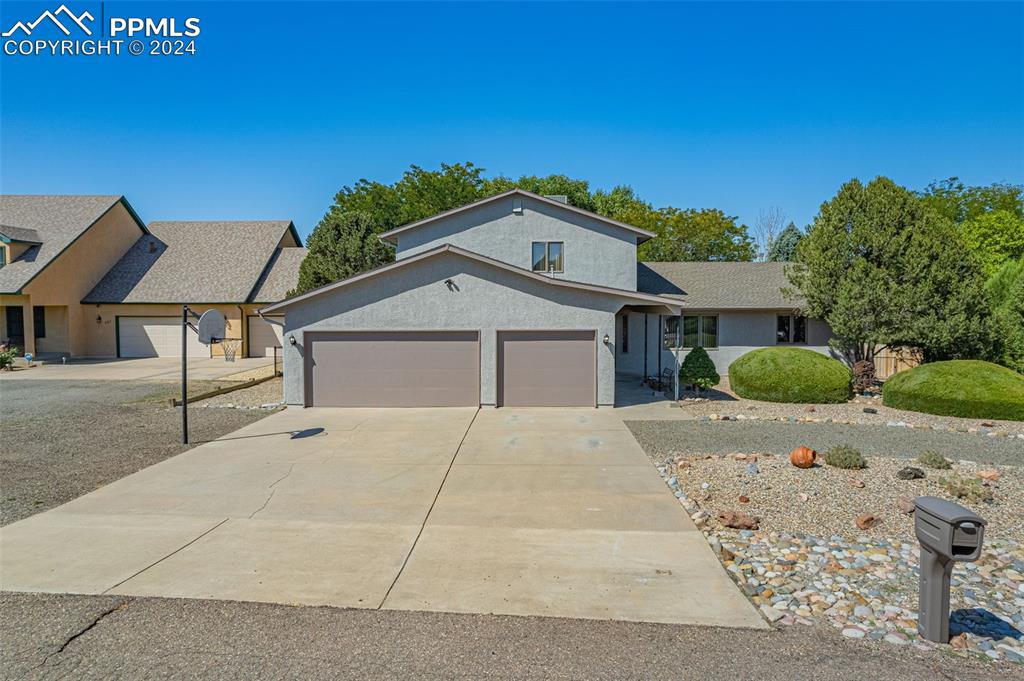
<point x="69" y="17"/>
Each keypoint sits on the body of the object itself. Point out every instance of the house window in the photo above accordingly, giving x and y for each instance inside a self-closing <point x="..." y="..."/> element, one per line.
<point x="547" y="256"/>
<point x="790" y="329"/>
<point x="3" y="256"/>
<point x="625" y="333"/>
<point x="39" y="320"/>
<point x="691" y="332"/>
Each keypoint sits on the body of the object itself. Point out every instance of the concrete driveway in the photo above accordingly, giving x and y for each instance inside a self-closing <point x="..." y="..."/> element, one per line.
<point x="526" y="512"/>
<point x="147" y="368"/>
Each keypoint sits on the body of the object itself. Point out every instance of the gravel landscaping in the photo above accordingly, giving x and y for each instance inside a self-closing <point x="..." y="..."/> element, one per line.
<point x="63" y="439"/>
<point x="266" y="395"/>
<point x="795" y="547"/>
<point x="721" y="401"/>
<point x="670" y="438"/>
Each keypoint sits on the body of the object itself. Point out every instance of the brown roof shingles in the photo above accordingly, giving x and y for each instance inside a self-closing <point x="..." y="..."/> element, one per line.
<point x="719" y="285"/>
<point x="56" y="222"/>
<point x="280" y="277"/>
<point x="198" y="262"/>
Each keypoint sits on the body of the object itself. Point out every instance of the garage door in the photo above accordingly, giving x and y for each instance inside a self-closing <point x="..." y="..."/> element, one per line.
<point x="546" y="369"/>
<point x="155" y="337"/>
<point x="393" y="369"/>
<point x="264" y="336"/>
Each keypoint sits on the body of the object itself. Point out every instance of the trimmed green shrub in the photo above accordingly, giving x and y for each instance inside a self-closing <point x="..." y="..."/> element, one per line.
<point x="7" y="356"/>
<point x="845" y="457"/>
<point x="968" y="388"/>
<point x="933" y="459"/>
<point x="784" y="374"/>
<point x="698" y="370"/>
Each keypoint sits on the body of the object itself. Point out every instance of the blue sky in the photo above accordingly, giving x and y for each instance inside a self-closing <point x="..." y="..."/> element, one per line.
<point x="729" y="105"/>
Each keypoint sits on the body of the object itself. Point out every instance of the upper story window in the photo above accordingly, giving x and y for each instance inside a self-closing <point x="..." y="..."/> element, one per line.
<point x="790" y="328"/>
<point x="690" y="332"/>
<point x="547" y="256"/>
<point x="3" y="256"/>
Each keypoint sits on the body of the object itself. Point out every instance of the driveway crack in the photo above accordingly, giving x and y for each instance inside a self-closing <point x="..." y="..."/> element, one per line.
<point x="272" y="489"/>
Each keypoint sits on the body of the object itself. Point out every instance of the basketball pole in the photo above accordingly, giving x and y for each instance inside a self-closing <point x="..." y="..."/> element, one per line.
<point x="184" y="374"/>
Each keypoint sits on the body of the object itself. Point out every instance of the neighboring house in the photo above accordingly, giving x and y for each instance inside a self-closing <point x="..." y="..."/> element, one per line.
<point x="516" y="300"/>
<point x="83" y="276"/>
<point x="233" y="267"/>
<point x="55" y="249"/>
<point x="730" y="309"/>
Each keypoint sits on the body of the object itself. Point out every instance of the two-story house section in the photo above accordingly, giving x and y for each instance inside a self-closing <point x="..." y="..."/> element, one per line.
<point x="509" y="301"/>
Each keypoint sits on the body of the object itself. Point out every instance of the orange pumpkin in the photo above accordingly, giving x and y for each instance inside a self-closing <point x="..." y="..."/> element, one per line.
<point x="803" y="457"/>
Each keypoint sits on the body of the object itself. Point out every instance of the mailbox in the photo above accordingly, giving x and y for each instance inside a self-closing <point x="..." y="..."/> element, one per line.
<point x="948" y="533"/>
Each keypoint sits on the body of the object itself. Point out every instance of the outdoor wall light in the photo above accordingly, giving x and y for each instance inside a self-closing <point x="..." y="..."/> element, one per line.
<point x="99" y="319"/>
<point x="606" y="339"/>
<point x="291" y="340"/>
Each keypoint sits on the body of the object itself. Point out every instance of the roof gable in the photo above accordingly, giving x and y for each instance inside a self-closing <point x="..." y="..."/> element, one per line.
<point x="640" y="298"/>
<point x="192" y="261"/>
<point x="52" y="224"/>
<point x="392" y="235"/>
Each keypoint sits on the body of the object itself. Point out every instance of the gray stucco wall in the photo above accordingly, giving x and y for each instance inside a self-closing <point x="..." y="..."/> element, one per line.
<point x="485" y="298"/>
<point x="595" y="252"/>
<point x="739" y="332"/>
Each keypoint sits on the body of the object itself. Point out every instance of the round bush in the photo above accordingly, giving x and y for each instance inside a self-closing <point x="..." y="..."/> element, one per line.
<point x="790" y="375"/>
<point x="969" y="388"/>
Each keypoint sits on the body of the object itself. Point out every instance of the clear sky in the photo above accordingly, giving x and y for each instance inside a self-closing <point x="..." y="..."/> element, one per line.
<point x="728" y="105"/>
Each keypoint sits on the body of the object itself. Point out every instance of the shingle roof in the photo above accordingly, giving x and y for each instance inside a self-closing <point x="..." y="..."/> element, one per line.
<point x="29" y="236"/>
<point x="719" y="285"/>
<point x="198" y="262"/>
<point x="56" y="222"/>
<point x="384" y="270"/>
<point x="280" y="276"/>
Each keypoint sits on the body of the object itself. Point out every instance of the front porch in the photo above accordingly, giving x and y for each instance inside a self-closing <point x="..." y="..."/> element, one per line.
<point x="39" y="330"/>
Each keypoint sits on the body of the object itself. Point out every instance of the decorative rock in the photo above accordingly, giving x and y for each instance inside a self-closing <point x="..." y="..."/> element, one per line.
<point x="737" y="520"/>
<point x="857" y="482"/>
<point x="744" y="499"/>
<point x="905" y="505"/>
<point x="771" y="614"/>
<point x="870" y="410"/>
<point x="803" y="457"/>
<point x="853" y="632"/>
<point x="752" y="469"/>
<point x="866" y="521"/>
<point x="910" y="473"/>
<point x="988" y="475"/>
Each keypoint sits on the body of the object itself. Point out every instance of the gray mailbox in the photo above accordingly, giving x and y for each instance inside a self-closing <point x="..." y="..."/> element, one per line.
<point x="948" y="533"/>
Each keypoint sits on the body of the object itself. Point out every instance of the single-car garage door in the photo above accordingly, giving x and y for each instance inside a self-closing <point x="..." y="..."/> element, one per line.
<point x="155" y="337"/>
<point x="264" y="336"/>
<point x="546" y="369"/>
<point x="393" y="369"/>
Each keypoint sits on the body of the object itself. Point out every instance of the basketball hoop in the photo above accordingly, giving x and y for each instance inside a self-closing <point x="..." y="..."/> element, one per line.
<point x="230" y="346"/>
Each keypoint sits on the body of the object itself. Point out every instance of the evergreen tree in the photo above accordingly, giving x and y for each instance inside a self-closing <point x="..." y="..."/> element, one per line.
<point x="784" y="246"/>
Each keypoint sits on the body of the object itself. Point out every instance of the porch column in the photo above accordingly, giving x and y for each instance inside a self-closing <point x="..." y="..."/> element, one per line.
<point x="30" y="328"/>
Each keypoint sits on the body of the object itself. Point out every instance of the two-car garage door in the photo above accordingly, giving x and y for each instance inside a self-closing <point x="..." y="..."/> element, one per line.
<point x="442" y="369"/>
<point x="155" y="337"/>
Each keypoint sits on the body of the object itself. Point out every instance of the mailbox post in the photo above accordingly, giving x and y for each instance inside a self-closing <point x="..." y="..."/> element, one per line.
<point x="948" y="533"/>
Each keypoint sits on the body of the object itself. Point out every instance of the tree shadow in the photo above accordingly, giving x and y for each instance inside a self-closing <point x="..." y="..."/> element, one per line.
<point x="981" y="622"/>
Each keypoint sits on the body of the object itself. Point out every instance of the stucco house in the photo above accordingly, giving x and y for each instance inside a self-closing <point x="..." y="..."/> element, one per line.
<point x="83" y="276"/>
<point x="517" y="300"/>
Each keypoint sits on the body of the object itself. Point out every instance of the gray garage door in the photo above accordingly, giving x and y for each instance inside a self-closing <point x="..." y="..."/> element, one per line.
<point x="393" y="369"/>
<point x="546" y="369"/>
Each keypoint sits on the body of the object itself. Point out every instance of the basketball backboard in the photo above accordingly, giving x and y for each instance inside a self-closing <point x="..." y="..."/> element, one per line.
<point x="211" y="327"/>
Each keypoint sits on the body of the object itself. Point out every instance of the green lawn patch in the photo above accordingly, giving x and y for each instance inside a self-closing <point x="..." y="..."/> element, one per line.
<point x="785" y="374"/>
<point x="965" y="387"/>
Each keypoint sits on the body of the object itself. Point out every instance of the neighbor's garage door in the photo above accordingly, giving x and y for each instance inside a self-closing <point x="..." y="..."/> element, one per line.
<point x="155" y="337"/>
<point x="393" y="369"/>
<point x="264" y="336"/>
<point x="546" y="369"/>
